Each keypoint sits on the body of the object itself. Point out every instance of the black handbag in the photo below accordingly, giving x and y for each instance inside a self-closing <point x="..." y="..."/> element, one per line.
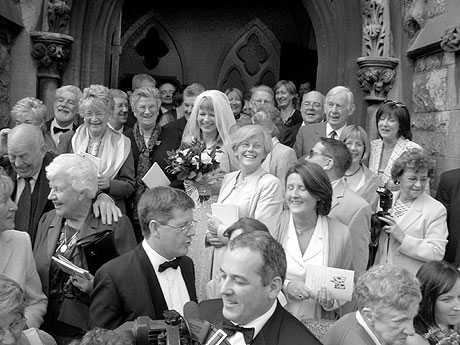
<point x="97" y="249"/>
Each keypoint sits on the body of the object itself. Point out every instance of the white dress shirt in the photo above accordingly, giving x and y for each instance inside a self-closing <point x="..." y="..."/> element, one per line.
<point x="56" y="136"/>
<point x="171" y="281"/>
<point x="257" y="324"/>
<point x="21" y="183"/>
<point x="329" y="130"/>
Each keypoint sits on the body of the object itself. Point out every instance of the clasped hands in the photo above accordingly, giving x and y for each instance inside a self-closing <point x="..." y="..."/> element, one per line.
<point x="212" y="236"/>
<point x="298" y="291"/>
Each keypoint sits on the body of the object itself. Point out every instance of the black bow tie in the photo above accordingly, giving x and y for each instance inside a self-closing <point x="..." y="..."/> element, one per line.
<point x="56" y="130"/>
<point x="230" y="328"/>
<point x="168" y="264"/>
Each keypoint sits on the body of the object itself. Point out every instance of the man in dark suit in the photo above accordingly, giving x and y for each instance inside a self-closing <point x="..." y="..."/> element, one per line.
<point x="339" y="106"/>
<point x="449" y="194"/>
<point x="156" y="275"/>
<point x="253" y="271"/>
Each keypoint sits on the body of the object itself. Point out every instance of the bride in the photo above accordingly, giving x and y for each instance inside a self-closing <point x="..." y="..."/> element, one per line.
<point x="210" y="122"/>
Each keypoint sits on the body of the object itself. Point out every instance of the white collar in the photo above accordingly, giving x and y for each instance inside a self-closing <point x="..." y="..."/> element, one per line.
<point x="116" y="130"/>
<point x="363" y="324"/>
<point x="155" y="258"/>
<point x="259" y="322"/>
<point x="54" y="124"/>
<point x="329" y="129"/>
<point x="275" y="141"/>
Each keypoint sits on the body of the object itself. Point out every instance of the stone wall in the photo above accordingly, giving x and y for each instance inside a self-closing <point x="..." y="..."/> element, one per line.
<point x="5" y="66"/>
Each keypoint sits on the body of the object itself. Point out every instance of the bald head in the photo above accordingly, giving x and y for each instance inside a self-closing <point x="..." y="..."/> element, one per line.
<point x="312" y="107"/>
<point x="26" y="149"/>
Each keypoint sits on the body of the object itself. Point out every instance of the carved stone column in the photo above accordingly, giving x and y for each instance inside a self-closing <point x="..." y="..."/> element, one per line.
<point x="376" y="67"/>
<point x="51" y="47"/>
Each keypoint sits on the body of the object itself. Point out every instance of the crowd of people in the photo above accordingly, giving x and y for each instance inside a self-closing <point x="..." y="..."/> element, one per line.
<point x="86" y="245"/>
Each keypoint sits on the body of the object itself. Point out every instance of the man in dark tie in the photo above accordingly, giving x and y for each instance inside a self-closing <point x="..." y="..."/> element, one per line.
<point x="339" y="106"/>
<point x="156" y="275"/>
<point x="252" y="275"/>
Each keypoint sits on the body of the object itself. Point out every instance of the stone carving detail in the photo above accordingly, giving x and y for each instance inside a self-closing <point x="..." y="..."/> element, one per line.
<point x="375" y="29"/>
<point x="5" y="63"/>
<point x="376" y="81"/>
<point x="416" y="12"/>
<point x="450" y="40"/>
<point x="253" y="55"/>
<point x="59" y="16"/>
<point x="52" y="51"/>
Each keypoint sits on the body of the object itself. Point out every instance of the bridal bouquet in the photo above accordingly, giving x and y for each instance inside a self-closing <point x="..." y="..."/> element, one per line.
<point x="193" y="160"/>
<point x="442" y="336"/>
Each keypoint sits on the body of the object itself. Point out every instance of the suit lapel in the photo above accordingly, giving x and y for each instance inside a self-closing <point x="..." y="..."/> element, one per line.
<point x="53" y="234"/>
<point x="153" y="286"/>
<point x="189" y="280"/>
<point x="5" y="253"/>
<point x="269" y="333"/>
<point x="227" y="187"/>
<point x="412" y="215"/>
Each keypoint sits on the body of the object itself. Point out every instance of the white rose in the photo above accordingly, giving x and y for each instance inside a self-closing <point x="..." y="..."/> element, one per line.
<point x="179" y="160"/>
<point x="205" y="158"/>
<point x="218" y="156"/>
<point x="185" y="151"/>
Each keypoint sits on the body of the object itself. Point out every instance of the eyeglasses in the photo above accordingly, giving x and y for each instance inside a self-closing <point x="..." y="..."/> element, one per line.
<point x="394" y="103"/>
<point x="184" y="228"/>
<point x="16" y="326"/>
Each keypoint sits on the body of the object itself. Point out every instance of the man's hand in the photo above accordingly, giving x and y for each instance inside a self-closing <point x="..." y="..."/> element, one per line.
<point x="105" y="207"/>
<point x="83" y="284"/>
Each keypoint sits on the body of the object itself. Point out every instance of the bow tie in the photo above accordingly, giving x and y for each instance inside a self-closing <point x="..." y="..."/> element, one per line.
<point x="56" y="130"/>
<point x="168" y="264"/>
<point x="231" y="329"/>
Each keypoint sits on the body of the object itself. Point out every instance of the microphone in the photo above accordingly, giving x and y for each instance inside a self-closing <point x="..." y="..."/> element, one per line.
<point x="201" y="330"/>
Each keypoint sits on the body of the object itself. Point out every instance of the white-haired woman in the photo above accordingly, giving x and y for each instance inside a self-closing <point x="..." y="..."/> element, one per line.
<point x="66" y="230"/>
<point x="16" y="258"/>
<point x="111" y="150"/>
<point x="14" y="328"/>
<point x="256" y="193"/>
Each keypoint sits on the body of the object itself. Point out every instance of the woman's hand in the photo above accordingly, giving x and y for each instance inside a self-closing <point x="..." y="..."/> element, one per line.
<point x="325" y="298"/>
<point x="392" y="228"/>
<point x="83" y="284"/>
<point x="4" y="141"/>
<point x="297" y="291"/>
<point x="103" y="183"/>
<point x="212" y="236"/>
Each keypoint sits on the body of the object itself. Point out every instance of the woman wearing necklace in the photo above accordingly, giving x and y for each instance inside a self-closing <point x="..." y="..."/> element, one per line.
<point x="358" y="177"/>
<point x="111" y="150"/>
<point x="310" y="237"/>
<point x="66" y="231"/>
<point x="416" y="229"/>
<point x="255" y="193"/>
<point x="210" y="122"/>
<point x="291" y="118"/>
<point x="393" y="126"/>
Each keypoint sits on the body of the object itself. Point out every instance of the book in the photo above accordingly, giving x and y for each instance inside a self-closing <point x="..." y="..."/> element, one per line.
<point x="69" y="267"/>
<point x="155" y="177"/>
<point x="226" y="213"/>
<point x="339" y="282"/>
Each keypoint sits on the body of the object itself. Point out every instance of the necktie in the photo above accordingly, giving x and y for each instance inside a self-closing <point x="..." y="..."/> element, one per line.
<point x="56" y="130"/>
<point x="230" y="328"/>
<point x="22" y="218"/>
<point x="333" y="135"/>
<point x="169" y="264"/>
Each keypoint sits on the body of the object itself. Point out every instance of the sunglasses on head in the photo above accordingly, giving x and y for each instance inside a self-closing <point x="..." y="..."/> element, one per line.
<point x="394" y="103"/>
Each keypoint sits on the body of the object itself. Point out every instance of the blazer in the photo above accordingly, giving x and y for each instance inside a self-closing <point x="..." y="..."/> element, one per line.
<point x="449" y="194"/>
<point x="17" y="262"/>
<point x="347" y="331"/>
<point x="288" y="130"/>
<point x="39" y="197"/>
<point x="353" y="211"/>
<point x="401" y="146"/>
<point x="425" y="229"/>
<point x="49" y="230"/>
<point x="173" y="131"/>
<point x="307" y="137"/>
<point x="127" y="287"/>
<point x="281" y="328"/>
<point x="279" y="160"/>
<point x="368" y="191"/>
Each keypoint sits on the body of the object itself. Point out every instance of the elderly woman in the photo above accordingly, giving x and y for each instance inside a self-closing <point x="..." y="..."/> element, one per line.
<point x="16" y="258"/>
<point x="32" y="111"/>
<point x="415" y="231"/>
<point x="387" y="298"/>
<point x="393" y="126"/>
<point x="13" y="317"/>
<point x="291" y="118"/>
<point x="439" y="310"/>
<point x="254" y="192"/>
<point x="235" y="97"/>
<point x="310" y="237"/>
<point x="282" y="157"/>
<point x="111" y="151"/>
<point x="358" y="177"/>
<point x="67" y="231"/>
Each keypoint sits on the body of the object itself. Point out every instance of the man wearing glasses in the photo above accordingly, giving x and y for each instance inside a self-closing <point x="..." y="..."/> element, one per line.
<point x="156" y="275"/>
<point x="338" y="107"/>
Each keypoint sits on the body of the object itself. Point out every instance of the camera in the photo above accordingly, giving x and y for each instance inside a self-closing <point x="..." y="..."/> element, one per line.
<point x="385" y="203"/>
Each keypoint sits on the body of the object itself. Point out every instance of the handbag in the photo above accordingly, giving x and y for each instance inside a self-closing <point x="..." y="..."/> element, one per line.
<point x="98" y="249"/>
